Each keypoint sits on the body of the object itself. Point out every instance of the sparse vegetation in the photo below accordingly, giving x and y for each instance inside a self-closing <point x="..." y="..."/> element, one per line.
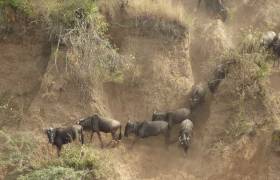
<point x="167" y="9"/>
<point x="78" y="162"/>
<point x="165" y="17"/>
<point x="53" y="173"/>
<point x="15" y="151"/>
<point x="10" y="110"/>
<point x="23" y="6"/>
<point x="22" y="155"/>
<point x="247" y="81"/>
<point x="83" y="73"/>
<point x="253" y="67"/>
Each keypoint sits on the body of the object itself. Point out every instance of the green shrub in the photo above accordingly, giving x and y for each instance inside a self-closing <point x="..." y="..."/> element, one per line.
<point x="16" y="149"/>
<point x="252" y="68"/>
<point x="67" y="14"/>
<point x="21" y="156"/>
<point x="24" y="6"/>
<point x="92" y="164"/>
<point x="51" y="173"/>
<point x="246" y="83"/>
<point x="239" y="123"/>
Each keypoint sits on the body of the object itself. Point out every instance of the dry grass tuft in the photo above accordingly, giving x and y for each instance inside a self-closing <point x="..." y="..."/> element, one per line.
<point x="164" y="17"/>
<point x="166" y="9"/>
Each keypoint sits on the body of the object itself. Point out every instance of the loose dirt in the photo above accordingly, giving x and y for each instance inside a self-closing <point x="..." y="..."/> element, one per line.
<point x="165" y="71"/>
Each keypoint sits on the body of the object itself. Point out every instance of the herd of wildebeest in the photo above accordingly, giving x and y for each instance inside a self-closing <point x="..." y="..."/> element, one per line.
<point x="161" y="123"/>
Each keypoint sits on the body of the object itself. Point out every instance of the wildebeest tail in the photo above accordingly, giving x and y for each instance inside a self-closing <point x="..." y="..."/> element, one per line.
<point x="120" y="135"/>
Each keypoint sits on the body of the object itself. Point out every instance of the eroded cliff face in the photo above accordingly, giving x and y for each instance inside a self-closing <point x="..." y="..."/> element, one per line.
<point x="163" y="71"/>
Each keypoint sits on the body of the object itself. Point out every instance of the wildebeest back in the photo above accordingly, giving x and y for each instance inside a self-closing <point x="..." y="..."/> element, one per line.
<point x="65" y="135"/>
<point x="107" y="124"/>
<point x="180" y="114"/>
<point x="187" y="125"/>
<point x="152" y="128"/>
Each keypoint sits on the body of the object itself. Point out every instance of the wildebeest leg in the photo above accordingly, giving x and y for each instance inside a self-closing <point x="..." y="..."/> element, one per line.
<point x="120" y="134"/>
<point x="82" y="137"/>
<point x="167" y="138"/>
<point x="198" y="4"/>
<point x="58" y="150"/>
<point x="100" y="139"/>
<point x="113" y="133"/>
<point x="169" y="121"/>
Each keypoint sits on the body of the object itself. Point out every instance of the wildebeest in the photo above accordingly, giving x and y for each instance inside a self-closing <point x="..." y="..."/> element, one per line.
<point x="99" y="124"/>
<point x="197" y="95"/>
<point x="267" y="38"/>
<point x="172" y="117"/>
<point x="215" y="6"/>
<point x="272" y="41"/>
<point x="60" y="136"/>
<point x="185" y="134"/>
<point x="148" y="128"/>
<point x="219" y="74"/>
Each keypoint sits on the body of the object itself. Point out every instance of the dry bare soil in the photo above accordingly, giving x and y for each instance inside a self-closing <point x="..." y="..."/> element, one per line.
<point x="165" y="70"/>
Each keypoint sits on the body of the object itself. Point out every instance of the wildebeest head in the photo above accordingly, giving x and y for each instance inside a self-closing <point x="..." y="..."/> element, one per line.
<point x="267" y="38"/>
<point x="221" y="71"/>
<point x="82" y="121"/>
<point x="51" y="134"/>
<point x="159" y="116"/>
<point x="198" y="95"/>
<point x="129" y="128"/>
<point x="86" y="121"/>
<point x="185" y="139"/>
<point x="196" y="100"/>
<point x="224" y="14"/>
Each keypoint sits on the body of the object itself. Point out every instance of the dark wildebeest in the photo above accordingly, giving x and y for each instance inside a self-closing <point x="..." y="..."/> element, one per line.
<point x="197" y="95"/>
<point x="172" y="117"/>
<point x="185" y="134"/>
<point x="219" y="74"/>
<point x="215" y="6"/>
<point x="99" y="124"/>
<point x="267" y="38"/>
<point x="146" y="129"/>
<point x="272" y="41"/>
<point x="60" y="136"/>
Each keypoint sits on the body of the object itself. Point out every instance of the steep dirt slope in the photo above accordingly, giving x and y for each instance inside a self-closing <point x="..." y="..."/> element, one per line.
<point x="163" y="80"/>
<point x="165" y="70"/>
<point x="23" y="64"/>
<point x="247" y="158"/>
